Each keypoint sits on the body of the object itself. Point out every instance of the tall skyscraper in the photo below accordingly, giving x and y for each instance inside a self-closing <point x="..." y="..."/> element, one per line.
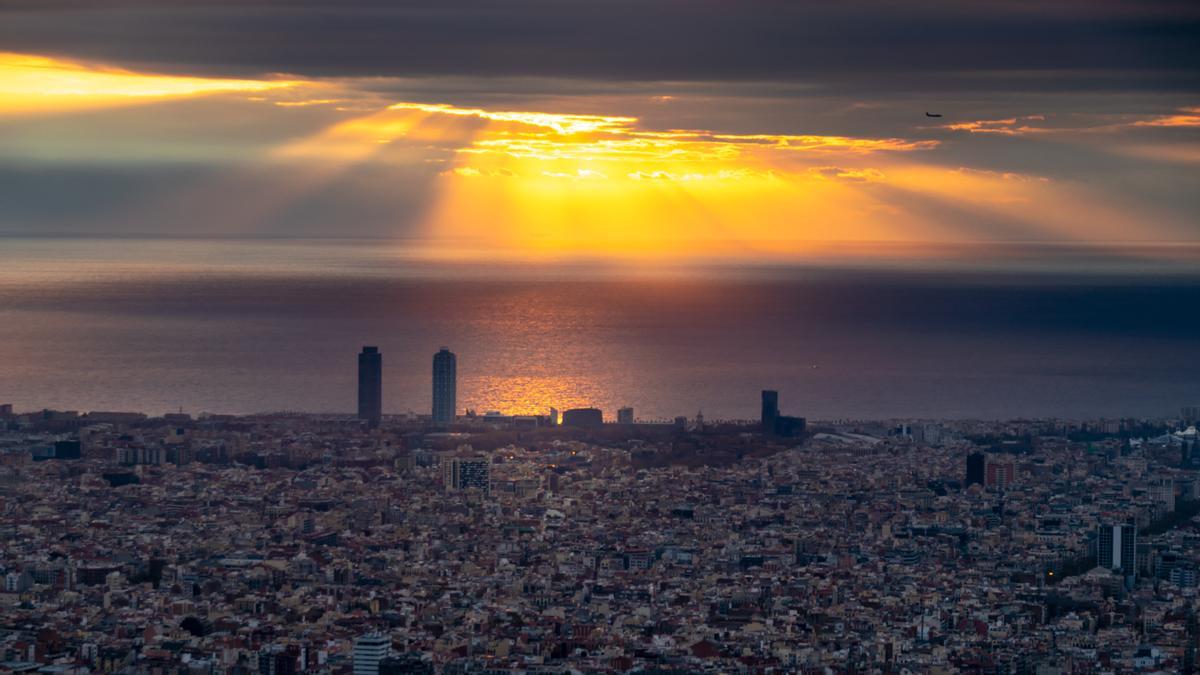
<point x="445" y="386"/>
<point x="625" y="415"/>
<point x="369" y="650"/>
<point x="770" y="411"/>
<point x="1116" y="548"/>
<point x="370" y="385"/>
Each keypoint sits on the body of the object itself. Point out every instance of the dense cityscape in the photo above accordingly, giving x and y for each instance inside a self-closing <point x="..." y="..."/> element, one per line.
<point x="464" y="543"/>
<point x="783" y="337"/>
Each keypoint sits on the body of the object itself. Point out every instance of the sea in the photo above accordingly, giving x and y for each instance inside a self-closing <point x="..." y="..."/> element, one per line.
<point x="248" y="326"/>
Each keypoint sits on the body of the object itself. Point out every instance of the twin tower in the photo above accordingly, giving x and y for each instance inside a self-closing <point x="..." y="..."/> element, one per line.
<point x="370" y="386"/>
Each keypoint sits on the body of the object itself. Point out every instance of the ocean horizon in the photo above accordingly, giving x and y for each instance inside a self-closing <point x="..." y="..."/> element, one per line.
<point x="252" y="326"/>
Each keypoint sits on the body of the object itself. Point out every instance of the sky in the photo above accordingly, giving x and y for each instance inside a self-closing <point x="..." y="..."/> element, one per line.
<point x="759" y="128"/>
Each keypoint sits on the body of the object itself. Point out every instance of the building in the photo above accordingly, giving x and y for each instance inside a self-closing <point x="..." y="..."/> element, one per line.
<point x="587" y="418"/>
<point x="445" y="386"/>
<point x="67" y="449"/>
<point x="770" y="410"/>
<point x="1116" y="548"/>
<point x="774" y="424"/>
<point x="999" y="474"/>
<point x="370" y="385"/>
<point x="405" y="664"/>
<point x="1162" y="492"/>
<point x="929" y="434"/>
<point x="18" y="582"/>
<point x="976" y="461"/>
<point x="625" y="415"/>
<point x="278" y="659"/>
<point x="464" y="473"/>
<point x="369" y="651"/>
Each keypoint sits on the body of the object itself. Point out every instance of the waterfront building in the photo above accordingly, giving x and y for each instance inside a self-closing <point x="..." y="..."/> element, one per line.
<point x="370" y="385"/>
<point x="445" y="386"/>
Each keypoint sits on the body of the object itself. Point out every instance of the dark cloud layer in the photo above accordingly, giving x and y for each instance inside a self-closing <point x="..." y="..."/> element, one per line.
<point x="922" y="44"/>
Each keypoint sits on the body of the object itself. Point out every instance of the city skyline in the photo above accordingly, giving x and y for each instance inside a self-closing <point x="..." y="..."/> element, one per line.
<point x="443" y="402"/>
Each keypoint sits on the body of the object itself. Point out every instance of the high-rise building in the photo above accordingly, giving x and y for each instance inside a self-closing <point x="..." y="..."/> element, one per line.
<point x="625" y="415"/>
<point x="369" y="650"/>
<point x="976" y="461"/>
<point x="370" y="385"/>
<point x="445" y="386"/>
<point x="774" y="424"/>
<point x="465" y="473"/>
<point x="770" y="411"/>
<point x="999" y="473"/>
<point x="1116" y="548"/>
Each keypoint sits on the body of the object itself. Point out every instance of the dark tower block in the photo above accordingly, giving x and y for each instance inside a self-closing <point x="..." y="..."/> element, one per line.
<point x="370" y="385"/>
<point x="770" y="411"/>
<point x="445" y="386"/>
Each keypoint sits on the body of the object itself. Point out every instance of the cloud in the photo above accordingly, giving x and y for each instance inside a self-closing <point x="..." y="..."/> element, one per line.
<point x="1188" y="117"/>
<point x="309" y="102"/>
<point x="583" y="144"/>
<point x="867" y="175"/>
<point x="41" y="84"/>
<point x="532" y="157"/>
<point x="1011" y="126"/>
<point x="870" y="45"/>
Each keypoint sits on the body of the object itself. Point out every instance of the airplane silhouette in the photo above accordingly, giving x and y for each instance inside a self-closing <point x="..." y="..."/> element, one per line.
<point x="929" y="114"/>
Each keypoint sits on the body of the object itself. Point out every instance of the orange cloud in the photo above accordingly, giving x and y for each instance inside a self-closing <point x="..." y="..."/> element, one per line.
<point x="558" y="137"/>
<point x="1187" y="117"/>
<point x="563" y="124"/>
<point x="610" y="147"/>
<point x="854" y="175"/>
<point x="1011" y="126"/>
<point x="552" y="184"/>
<point x="1026" y="125"/>
<point x="37" y="84"/>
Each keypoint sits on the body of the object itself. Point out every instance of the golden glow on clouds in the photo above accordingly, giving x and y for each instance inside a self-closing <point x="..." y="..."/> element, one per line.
<point x="553" y="183"/>
<point x="480" y="135"/>
<point x="41" y="84"/>
<point x="561" y="184"/>
<point x="567" y="183"/>
<point x="564" y="183"/>
<point x="1187" y="117"/>
<point x="563" y="124"/>
<point x="1038" y="124"/>
<point x="1006" y="127"/>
